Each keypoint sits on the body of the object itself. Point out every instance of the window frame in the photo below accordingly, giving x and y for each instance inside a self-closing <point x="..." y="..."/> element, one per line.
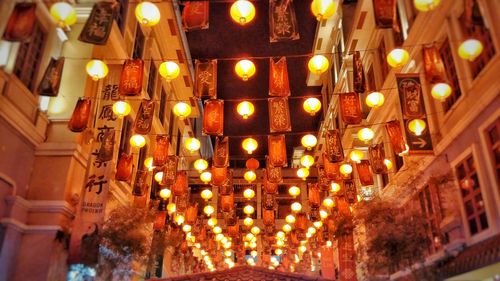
<point x="452" y="100"/>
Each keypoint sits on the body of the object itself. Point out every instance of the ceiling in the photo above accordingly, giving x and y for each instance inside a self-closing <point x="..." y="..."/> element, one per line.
<point x="228" y="41"/>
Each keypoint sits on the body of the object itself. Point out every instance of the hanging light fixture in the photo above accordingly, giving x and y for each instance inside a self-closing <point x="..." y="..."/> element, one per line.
<point x="121" y="108"/>
<point x="206" y="177"/>
<point x="97" y="69"/>
<point x="249" y="193"/>
<point x="356" y="155"/>
<point x="323" y="213"/>
<point x="148" y="163"/>
<point x="182" y="110"/>
<point x="179" y="219"/>
<point x="312" y="106"/>
<point x="248" y="221"/>
<point x="287" y="228"/>
<point x="296" y="207"/>
<point x="165" y="193"/>
<point x="328" y="202"/>
<point x="242" y="11"/>
<point x="309" y="141"/>
<point x="334" y="187"/>
<point x="64" y="14"/>
<point x="250" y="176"/>
<point x="278" y="251"/>
<point x="217" y="230"/>
<point x="290" y="219"/>
<point x="255" y="230"/>
<point x="294" y="191"/>
<point x="426" y="5"/>
<point x="192" y="144"/>
<point x="375" y="99"/>
<point x="208" y="210"/>
<point x="137" y="141"/>
<point x="303" y="173"/>
<point x="345" y="169"/>
<point x="158" y="176"/>
<point x="206" y="194"/>
<point x="323" y="9"/>
<point x="366" y="134"/>
<point x="169" y="70"/>
<point x="318" y="64"/>
<point x="186" y="228"/>
<point x="212" y="222"/>
<point x="147" y="13"/>
<point x="200" y="165"/>
<point x="307" y="161"/>
<point x="244" y="69"/>
<point x="398" y="57"/>
<point x="388" y="164"/>
<point x="245" y="109"/>
<point x="171" y="207"/>
<point x="318" y="224"/>
<point x="470" y="49"/>
<point x="250" y="145"/>
<point x="417" y="126"/>
<point x="252" y="164"/>
<point x="248" y="210"/>
<point x="441" y="91"/>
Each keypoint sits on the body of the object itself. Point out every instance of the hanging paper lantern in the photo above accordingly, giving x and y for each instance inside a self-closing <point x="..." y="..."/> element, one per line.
<point x="426" y="5"/>
<point x="217" y="230"/>
<point x="171" y="207"/>
<point x="309" y="141"/>
<point x="318" y="64"/>
<point x="318" y="224"/>
<point x="137" y="141"/>
<point x="296" y="207"/>
<point x="375" y="99"/>
<point x="206" y="194"/>
<point x="366" y="134"/>
<point x="249" y="193"/>
<point x="345" y="169"/>
<point x="147" y="13"/>
<point x="212" y="222"/>
<point x="121" y="108"/>
<point x="398" y="57"/>
<point x="323" y="9"/>
<point x="245" y="109"/>
<point x="252" y="164"/>
<point x="470" y="49"/>
<point x="417" y="126"/>
<point x="323" y="213"/>
<point x="250" y="145"/>
<point x="248" y="210"/>
<point x="294" y="191"/>
<point x="303" y="173"/>
<point x="312" y="106"/>
<point x="441" y="91"/>
<point x="356" y="155"/>
<point x="388" y="163"/>
<point x="192" y="144"/>
<point x="200" y="165"/>
<point x="248" y="222"/>
<point x="187" y="228"/>
<point x="206" y="177"/>
<point x="242" y="11"/>
<point x="334" y="187"/>
<point x="169" y="70"/>
<point x="208" y="210"/>
<point x="97" y="69"/>
<point x="307" y="161"/>
<point x="244" y="69"/>
<point x="182" y="110"/>
<point x="255" y="230"/>
<point x="287" y="228"/>
<point x="250" y="176"/>
<point x="158" y="176"/>
<point x="179" y="219"/>
<point x="328" y="202"/>
<point x="63" y="13"/>
<point x="290" y="219"/>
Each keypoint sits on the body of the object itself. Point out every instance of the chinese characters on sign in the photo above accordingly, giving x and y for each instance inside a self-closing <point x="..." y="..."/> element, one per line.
<point x="279" y="115"/>
<point x="205" y="79"/>
<point x="350" y="108"/>
<point x="282" y="21"/>
<point x="98" y="26"/>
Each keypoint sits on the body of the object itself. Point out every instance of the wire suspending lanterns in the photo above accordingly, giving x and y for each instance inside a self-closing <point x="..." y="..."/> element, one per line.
<point x="323" y="9"/>
<point x="417" y="126"/>
<point x="245" y="109"/>
<point x="64" y="14"/>
<point x="375" y="99"/>
<point x="470" y="49"/>
<point x="312" y="106"/>
<point x="249" y="145"/>
<point x="426" y="5"/>
<point x="245" y="69"/>
<point x="97" y="69"/>
<point x="147" y="13"/>
<point x="137" y="141"/>
<point x="121" y="109"/>
<point x="169" y="70"/>
<point x="309" y="141"/>
<point x="318" y="64"/>
<point x="441" y="91"/>
<point x="397" y="57"/>
<point x="182" y="110"/>
<point x="242" y="11"/>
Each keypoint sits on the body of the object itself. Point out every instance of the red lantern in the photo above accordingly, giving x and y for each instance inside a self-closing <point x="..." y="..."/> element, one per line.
<point x="131" y="77"/>
<point x="160" y="152"/>
<point x="80" y="116"/>
<point x="252" y="164"/>
<point x="181" y="184"/>
<point x="124" y="167"/>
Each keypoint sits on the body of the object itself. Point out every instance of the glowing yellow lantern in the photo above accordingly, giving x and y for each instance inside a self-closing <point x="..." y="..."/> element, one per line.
<point x="186" y="228"/>
<point x="249" y="193"/>
<point x="182" y="110"/>
<point x="426" y="5"/>
<point x="208" y="210"/>
<point x="255" y="230"/>
<point x="311" y="230"/>
<point x="206" y="194"/>
<point x="169" y="70"/>
<point x="323" y="213"/>
<point x="318" y="224"/>
<point x="250" y="176"/>
<point x="323" y="9"/>
<point x="280" y="234"/>
<point x="165" y="193"/>
<point x="192" y="144"/>
<point x="63" y="13"/>
<point x="148" y="163"/>
<point x="334" y="187"/>
<point x="375" y="99"/>
<point x="302" y="248"/>
<point x="248" y="221"/>
<point x="250" y="145"/>
<point x="312" y="106"/>
<point x="307" y="161"/>
<point x="388" y="163"/>
<point x="97" y="69"/>
<point x="398" y="57"/>
<point x="356" y="155"/>
<point x="121" y="108"/>
<point x="147" y="13"/>
<point x="137" y="141"/>
<point x="206" y="177"/>
<point x="278" y="251"/>
<point x="200" y="165"/>
<point x="303" y="173"/>
<point x="245" y="109"/>
<point x="212" y="222"/>
<point x="248" y="210"/>
<point x="296" y="207"/>
<point x="328" y="202"/>
<point x="228" y="253"/>
<point x="219" y="236"/>
<point x="366" y="134"/>
<point x="245" y="69"/>
<point x="470" y="49"/>
<point x="253" y="253"/>
<point x="179" y="219"/>
<point x="242" y="11"/>
<point x="287" y="228"/>
<point x="345" y="169"/>
<point x="171" y="207"/>
<point x="441" y="91"/>
<point x="280" y="243"/>
<point x="294" y="191"/>
<point x="329" y="243"/>
<point x="309" y="141"/>
<point x="290" y="219"/>
<point x="417" y="126"/>
<point x="318" y="64"/>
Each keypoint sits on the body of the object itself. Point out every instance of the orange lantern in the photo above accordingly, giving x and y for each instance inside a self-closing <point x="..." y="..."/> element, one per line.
<point x="252" y="164"/>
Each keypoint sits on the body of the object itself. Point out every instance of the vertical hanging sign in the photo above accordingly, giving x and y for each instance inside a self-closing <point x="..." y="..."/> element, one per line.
<point x="213" y="117"/>
<point x="99" y="24"/>
<point x="334" y="150"/>
<point x="282" y="21"/>
<point x="195" y="15"/>
<point x="21" y="22"/>
<point x="205" y="79"/>
<point x="279" y="85"/>
<point x="279" y="115"/>
<point x="350" y="108"/>
<point x="385" y="13"/>
<point x="277" y="150"/>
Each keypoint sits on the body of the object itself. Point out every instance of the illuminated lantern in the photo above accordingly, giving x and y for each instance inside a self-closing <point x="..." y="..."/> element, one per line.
<point x="287" y="228"/>
<point x="294" y="191"/>
<point x="212" y="222"/>
<point x="179" y="219"/>
<point x="206" y="194"/>
<point x="245" y="109"/>
<point x="208" y="210"/>
<point x="318" y="64"/>
<point x="328" y="202"/>
<point x="250" y="145"/>
<point x="278" y="252"/>
<point x="375" y="99"/>
<point x="345" y="169"/>
<point x="441" y="91"/>
<point x="323" y="9"/>
<point x="248" y="222"/>
<point x="426" y="5"/>
<point x="323" y="214"/>
<point x="249" y="193"/>
<point x="147" y="13"/>
<point x="398" y="57"/>
<point x="417" y="126"/>
<point x="250" y="176"/>
<point x="200" y="165"/>
<point x="309" y="141"/>
<point x="244" y="69"/>
<point x="248" y="210"/>
<point x="63" y="13"/>
<point x="388" y="164"/>
<point x="242" y="11"/>
<point x="356" y="155"/>
<point x="296" y="207"/>
<point x="470" y="49"/>
<point x="252" y="164"/>
<point x="121" y="108"/>
<point x="255" y="230"/>
<point x="334" y="187"/>
<point x="206" y="177"/>
<point x="186" y="228"/>
<point x="303" y="173"/>
<point x="217" y="230"/>
<point x="318" y="224"/>
<point x="171" y="207"/>
<point x="97" y="69"/>
<point x="366" y="134"/>
<point x="137" y="141"/>
<point x="169" y="70"/>
<point x="182" y="110"/>
<point x="158" y="176"/>
<point x="192" y="144"/>
<point x="307" y="161"/>
<point x="312" y="106"/>
<point x="290" y="219"/>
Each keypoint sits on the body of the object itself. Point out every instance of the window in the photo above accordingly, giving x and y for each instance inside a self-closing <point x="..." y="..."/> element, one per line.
<point x="430" y="209"/>
<point x="284" y="207"/>
<point x="142" y="156"/>
<point x="399" y="161"/>
<point x="472" y="197"/>
<point x="493" y="139"/>
<point x="29" y="57"/>
<point x="384" y="68"/>
<point x="385" y="180"/>
<point x="178" y="145"/>
<point x="398" y="33"/>
<point x="125" y="136"/>
<point x="152" y="79"/>
<point x="121" y="15"/>
<point x="451" y="72"/>
<point x="163" y="104"/>
<point x="138" y="43"/>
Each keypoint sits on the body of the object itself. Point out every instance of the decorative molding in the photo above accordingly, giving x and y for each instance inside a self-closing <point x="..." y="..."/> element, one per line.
<point x="28" y="229"/>
<point x="52" y="206"/>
